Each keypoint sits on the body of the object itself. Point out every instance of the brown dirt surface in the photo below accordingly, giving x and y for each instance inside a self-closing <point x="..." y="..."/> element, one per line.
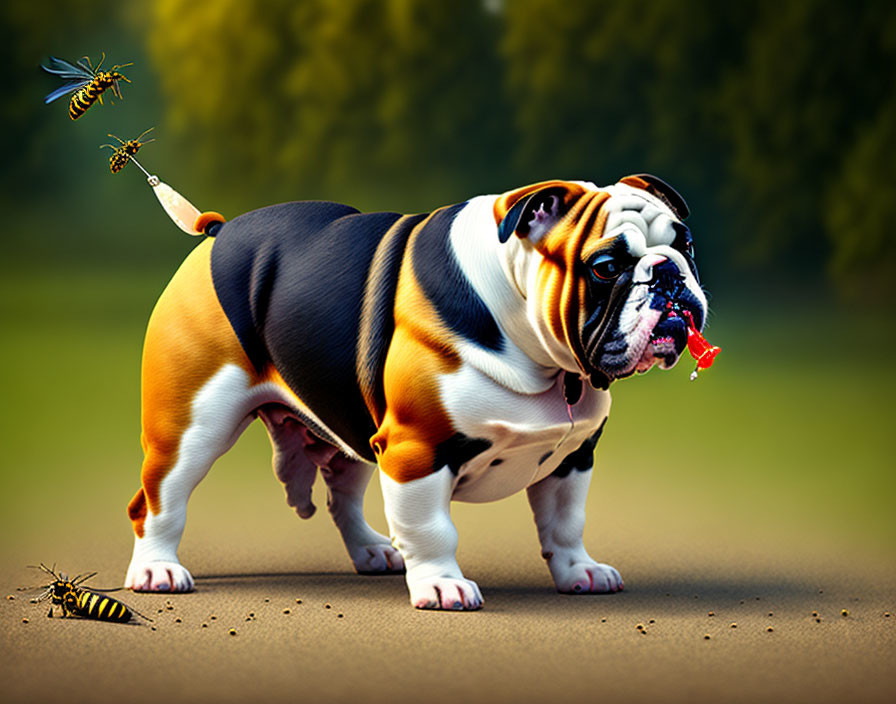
<point x="529" y="644"/>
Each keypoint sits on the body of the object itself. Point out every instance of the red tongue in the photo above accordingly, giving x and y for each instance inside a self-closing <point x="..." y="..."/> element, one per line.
<point x="699" y="347"/>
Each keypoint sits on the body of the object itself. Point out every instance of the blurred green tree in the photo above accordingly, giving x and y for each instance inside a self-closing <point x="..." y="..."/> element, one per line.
<point x="861" y="211"/>
<point x="615" y="86"/>
<point x="775" y="120"/>
<point x="809" y="117"/>
<point x="334" y="99"/>
<point x="29" y="32"/>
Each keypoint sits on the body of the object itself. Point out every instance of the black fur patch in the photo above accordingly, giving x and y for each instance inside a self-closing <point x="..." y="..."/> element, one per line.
<point x="582" y="459"/>
<point x="572" y="388"/>
<point x="445" y="285"/>
<point x="291" y="279"/>
<point x="457" y="450"/>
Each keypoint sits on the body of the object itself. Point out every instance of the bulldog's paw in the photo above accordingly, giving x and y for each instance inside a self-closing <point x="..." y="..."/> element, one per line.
<point x="158" y="576"/>
<point x="446" y="593"/>
<point x="377" y="559"/>
<point x="585" y="577"/>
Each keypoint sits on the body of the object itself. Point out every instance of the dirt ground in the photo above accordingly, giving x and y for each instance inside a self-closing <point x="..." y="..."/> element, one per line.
<point x="308" y="629"/>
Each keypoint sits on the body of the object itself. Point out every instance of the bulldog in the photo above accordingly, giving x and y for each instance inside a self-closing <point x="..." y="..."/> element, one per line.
<point x="466" y="353"/>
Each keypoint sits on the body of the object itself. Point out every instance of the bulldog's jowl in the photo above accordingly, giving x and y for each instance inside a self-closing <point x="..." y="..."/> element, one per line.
<point x="465" y="353"/>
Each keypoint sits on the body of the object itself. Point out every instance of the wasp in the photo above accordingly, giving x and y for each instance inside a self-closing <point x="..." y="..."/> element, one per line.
<point x="89" y="83"/>
<point x="125" y="151"/>
<point x="86" y="603"/>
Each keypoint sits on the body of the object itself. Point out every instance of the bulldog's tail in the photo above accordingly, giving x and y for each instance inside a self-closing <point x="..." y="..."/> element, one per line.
<point x="181" y="211"/>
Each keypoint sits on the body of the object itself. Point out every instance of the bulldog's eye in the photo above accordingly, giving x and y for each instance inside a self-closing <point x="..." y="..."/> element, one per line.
<point x="605" y="267"/>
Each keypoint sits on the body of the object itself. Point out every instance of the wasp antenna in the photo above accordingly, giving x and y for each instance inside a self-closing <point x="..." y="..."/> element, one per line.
<point x="120" y="140"/>
<point x="139" y="614"/>
<point x="137" y="139"/>
<point x="42" y="566"/>
<point x="81" y="578"/>
<point x="101" y="61"/>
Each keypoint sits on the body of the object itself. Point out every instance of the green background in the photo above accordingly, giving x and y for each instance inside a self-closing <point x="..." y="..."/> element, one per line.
<point x="776" y="122"/>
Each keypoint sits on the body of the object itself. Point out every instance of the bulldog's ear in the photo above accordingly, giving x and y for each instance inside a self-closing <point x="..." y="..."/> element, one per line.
<point x="532" y="211"/>
<point x="660" y="189"/>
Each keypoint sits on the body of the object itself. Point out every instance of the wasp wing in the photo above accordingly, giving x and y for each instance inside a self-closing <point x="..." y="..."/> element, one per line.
<point x="64" y="69"/>
<point x="67" y="88"/>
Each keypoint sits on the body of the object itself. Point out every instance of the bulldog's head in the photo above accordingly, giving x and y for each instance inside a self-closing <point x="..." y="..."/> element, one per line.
<point x="616" y="280"/>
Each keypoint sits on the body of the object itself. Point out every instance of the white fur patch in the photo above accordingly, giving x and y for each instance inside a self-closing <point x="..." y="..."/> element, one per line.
<point x="529" y="434"/>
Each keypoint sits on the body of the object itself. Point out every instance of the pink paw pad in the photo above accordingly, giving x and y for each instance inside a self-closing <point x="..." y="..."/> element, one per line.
<point x="446" y="594"/>
<point x="159" y="576"/>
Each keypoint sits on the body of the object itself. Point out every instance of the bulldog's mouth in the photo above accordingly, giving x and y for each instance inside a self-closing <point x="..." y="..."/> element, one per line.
<point x="665" y="343"/>
<point x="638" y="331"/>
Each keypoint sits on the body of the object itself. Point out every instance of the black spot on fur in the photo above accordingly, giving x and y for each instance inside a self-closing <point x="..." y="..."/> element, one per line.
<point x="457" y="450"/>
<point x="582" y="459"/>
<point x="572" y="388"/>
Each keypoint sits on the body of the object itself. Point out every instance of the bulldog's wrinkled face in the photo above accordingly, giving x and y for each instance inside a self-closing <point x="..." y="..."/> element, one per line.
<point x="618" y="279"/>
<point x="642" y="286"/>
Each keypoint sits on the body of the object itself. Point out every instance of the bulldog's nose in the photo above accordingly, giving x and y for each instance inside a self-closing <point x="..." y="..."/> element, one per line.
<point x="666" y="276"/>
<point x="644" y="269"/>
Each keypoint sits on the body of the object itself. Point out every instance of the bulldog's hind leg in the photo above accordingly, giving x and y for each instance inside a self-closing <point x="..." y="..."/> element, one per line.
<point x="558" y="503"/>
<point x="370" y="552"/>
<point x="298" y="454"/>
<point x="196" y="401"/>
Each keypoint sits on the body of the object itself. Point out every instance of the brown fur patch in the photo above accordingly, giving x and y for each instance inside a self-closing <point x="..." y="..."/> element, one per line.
<point x="188" y="340"/>
<point x="415" y="421"/>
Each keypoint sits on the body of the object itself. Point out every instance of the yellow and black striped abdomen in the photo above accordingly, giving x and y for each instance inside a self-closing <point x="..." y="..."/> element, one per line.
<point x="83" y="99"/>
<point x="101" y="607"/>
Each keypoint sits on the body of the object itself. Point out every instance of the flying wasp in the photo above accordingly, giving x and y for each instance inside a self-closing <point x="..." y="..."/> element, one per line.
<point x="76" y="601"/>
<point x="89" y="83"/>
<point x="125" y="151"/>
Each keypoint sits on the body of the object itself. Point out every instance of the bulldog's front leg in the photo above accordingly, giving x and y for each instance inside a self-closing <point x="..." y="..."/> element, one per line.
<point x="421" y="528"/>
<point x="558" y="502"/>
